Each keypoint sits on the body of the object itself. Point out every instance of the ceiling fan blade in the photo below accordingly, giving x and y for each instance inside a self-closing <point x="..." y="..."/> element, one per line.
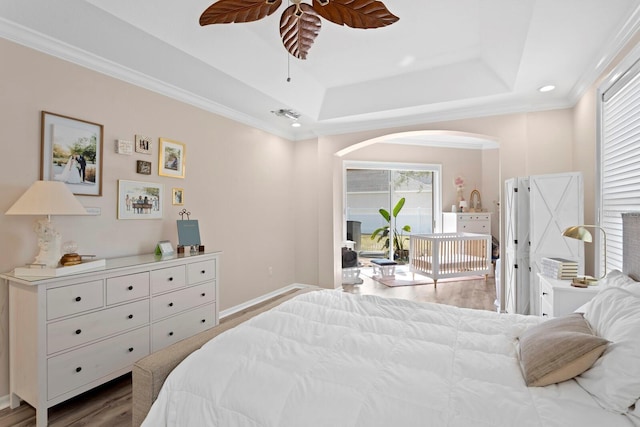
<point x="355" y="13"/>
<point x="299" y="27"/>
<point x="228" y="11"/>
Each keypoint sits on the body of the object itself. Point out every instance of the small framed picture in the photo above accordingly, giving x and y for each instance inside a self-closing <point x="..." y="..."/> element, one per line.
<point x="72" y="153"/>
<point x="177" y="196"/>
<point x="164" y="248"/>
<point x="143" y="144"/>
<point x="139" y="200"/>
<point x="143" y="167"/>
<point x="171" y="158"/>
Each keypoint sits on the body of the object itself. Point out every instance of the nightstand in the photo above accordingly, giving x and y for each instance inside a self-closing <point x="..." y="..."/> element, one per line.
<point x="559" y="298"/>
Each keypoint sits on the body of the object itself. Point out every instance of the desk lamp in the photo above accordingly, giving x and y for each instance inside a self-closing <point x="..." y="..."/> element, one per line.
<point x="579" y="232"/>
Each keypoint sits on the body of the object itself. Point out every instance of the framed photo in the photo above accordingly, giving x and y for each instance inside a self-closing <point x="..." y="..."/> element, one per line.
<point x="164" y="248"/>
<point x="171" y="160"/>
<point x="177" y="196"/>
<point x="143" y="144"/>
<point x="72" y="153"/>
<point x="143" y="167"/>
<point x="139" y="200"/>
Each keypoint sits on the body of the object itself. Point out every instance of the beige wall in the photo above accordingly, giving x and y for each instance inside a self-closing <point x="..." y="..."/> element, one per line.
<point x="239" y="181"/>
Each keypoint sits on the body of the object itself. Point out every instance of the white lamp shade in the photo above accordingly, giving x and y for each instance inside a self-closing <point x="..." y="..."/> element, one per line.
<point x="47" y="198"/>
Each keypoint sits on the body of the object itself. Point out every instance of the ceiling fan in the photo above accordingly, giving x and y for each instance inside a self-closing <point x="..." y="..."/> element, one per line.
<point x="300" y="22"/>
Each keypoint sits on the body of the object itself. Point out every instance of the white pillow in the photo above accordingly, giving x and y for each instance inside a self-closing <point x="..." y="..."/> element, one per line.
<point x="614" y="379"/>
<point x="616" y="279"/>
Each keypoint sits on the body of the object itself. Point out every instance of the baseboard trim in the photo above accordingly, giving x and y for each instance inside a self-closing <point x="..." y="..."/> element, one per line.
<point x="235" y="309"/>
<point x="4" y="402"/>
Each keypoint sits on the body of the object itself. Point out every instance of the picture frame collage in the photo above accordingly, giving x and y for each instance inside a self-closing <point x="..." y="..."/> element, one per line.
<point x="72" y="152"/>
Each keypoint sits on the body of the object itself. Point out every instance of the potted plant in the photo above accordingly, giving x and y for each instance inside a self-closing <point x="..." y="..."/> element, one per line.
<point x="381" y="233"/>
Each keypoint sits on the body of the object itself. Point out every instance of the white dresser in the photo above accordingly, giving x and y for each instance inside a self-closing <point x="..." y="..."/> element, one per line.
<point x="71" y="333"/>
<point x="476" y="222"/>
<point x="559" y="298"/>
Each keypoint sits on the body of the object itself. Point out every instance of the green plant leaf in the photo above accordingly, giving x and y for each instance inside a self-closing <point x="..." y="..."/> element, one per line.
<point x="407" y="228"/>
<point x="398" y="207"/>
<point x="385" y="214"/>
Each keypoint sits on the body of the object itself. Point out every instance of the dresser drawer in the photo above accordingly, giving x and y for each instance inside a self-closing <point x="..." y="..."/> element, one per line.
<point x="74" y="299"/>
<point x="83" y="329"/>
<point x="546" y="309"/>
<point x="181" y="300"/>
<point x="167" y="279"/>
<point x="126" y="288"/>
<point x="176" y="328"/>
<point x="69" y="371"/>
<point x="546" y="292"/>
<point x="201" y="271"/>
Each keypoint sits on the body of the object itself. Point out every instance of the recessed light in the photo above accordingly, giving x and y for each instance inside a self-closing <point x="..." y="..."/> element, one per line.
<point x="547" y="88"/>
<point x="296" y="124"/>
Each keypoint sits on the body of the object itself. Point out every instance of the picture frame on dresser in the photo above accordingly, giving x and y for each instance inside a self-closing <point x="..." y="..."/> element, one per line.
<point x="71" y="152"/>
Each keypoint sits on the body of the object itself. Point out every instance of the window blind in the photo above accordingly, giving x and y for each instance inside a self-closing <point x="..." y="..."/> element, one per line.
<point x="619" y="159"/>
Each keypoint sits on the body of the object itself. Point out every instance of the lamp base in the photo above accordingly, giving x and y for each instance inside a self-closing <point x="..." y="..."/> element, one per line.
<point x="583" y="282"/>
<point x="48" y="242"/>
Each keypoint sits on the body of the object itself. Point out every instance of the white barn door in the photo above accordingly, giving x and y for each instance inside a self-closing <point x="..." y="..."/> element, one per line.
<point x="556" y="202"/>
<point x="516" y="254"/>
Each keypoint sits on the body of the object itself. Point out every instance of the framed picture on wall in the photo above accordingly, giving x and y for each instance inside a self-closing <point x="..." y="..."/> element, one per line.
<point x="177" y="196"/>
<point x="171" y="161"/>
<point x="139" y="200"/>
<point x="72" y="153"/>
<point x="143" y="144"/>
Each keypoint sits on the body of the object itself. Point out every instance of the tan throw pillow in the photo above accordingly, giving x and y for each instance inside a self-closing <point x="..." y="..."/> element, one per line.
<point x="558" y="350"/>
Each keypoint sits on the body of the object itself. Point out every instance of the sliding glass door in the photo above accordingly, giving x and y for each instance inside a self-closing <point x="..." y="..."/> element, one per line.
<point x="386" y="202"/>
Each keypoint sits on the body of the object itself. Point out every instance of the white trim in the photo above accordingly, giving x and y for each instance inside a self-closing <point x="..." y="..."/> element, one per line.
<point x="4" y="402"/>
<point x="262" y="298"/>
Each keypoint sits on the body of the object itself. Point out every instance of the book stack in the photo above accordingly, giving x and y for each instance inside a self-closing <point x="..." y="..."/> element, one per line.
<point x="559" y="268"/>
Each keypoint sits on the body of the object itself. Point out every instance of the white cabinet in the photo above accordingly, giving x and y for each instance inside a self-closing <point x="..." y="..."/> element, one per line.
<point x="559" y="298"/>
<point x="72" y="333"/>
<point x="477" y="222"/>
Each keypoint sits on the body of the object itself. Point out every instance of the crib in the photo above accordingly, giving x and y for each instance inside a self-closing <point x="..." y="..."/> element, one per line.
<point x="440" y="256"/>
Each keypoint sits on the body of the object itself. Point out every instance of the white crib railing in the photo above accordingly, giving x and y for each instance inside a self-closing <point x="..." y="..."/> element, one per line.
<point x="445" y="255"/>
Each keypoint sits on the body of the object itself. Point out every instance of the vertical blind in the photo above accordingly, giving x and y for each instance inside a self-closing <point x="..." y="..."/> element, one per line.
<point x="619" y="167"/>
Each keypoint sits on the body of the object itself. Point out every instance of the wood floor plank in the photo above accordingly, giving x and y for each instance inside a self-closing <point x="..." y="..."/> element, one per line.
<point x="109" y="405"/>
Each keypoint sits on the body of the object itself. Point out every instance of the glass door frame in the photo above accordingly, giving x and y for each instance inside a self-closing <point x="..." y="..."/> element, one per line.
<point x="436" y="188"/>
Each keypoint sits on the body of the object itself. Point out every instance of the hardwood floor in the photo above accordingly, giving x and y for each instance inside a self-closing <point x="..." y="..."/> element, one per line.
<point x="110" y="404"/>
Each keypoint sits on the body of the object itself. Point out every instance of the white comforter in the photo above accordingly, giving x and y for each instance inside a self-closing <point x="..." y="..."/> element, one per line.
<point x="333" y="359"/>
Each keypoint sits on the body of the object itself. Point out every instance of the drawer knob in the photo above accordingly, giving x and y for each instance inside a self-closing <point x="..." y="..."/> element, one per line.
<point x="170" y="304"/>
<point x="202" y="272"/>
<point x="78" y="299"/>
<point x="130" y="349"/>
<point x="78" y="331"/>
<point x="171" y="333"/>
<point x="203" y="320"/>
<point x="79" y="368"/>
<point x="131" y="316"/>
<point x="171" y="279"/>
<point x="203" y="294"/>
<point x="130" y="288"/>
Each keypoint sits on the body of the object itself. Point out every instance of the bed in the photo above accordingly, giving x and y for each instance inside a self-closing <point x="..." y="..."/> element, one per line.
<point x="328" y="358"/>
<point x="445" y="255"/>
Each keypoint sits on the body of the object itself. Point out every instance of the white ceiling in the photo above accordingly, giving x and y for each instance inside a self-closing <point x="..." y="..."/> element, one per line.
<point x="444" y="59"/>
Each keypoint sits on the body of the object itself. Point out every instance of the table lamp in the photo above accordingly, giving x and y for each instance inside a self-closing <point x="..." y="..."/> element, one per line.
<point x="579" y="232"/>
<point x="47" y="198"/>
